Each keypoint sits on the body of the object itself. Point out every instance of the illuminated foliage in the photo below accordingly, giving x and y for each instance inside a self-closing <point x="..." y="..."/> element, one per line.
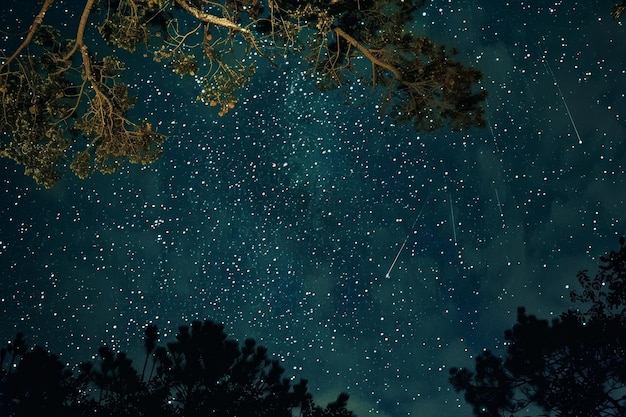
<point x="60" y="100"/>
<point x="56" y="89"/>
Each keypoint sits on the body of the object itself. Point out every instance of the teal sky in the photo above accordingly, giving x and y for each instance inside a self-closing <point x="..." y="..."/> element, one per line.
<point x="283" y="218"/>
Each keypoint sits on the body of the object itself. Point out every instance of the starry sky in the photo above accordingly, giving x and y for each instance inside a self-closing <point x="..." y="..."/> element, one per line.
<point x="367" y="257"/>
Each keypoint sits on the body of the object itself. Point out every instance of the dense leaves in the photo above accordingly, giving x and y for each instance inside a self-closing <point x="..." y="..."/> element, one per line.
<point x="202" y="373"/>
<point x="572" y="366"/>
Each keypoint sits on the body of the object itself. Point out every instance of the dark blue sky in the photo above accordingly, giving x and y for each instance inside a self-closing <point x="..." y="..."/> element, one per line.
<point x="283" y="217"/>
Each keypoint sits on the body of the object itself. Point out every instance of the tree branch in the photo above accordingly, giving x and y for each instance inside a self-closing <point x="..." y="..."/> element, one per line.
<point x="81" y="29"/>
<point x="209" y="18"/>
<point x="341" y="34"/>
<point x="31" y="31"/>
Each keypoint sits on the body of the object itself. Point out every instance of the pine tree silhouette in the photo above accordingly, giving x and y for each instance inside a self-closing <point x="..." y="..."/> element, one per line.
<point x="201" y="373"/>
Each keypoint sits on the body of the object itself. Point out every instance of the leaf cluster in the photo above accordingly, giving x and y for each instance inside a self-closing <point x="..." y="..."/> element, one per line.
<point x="201" y="373"/>
<point x="127" y="22"/>
<point x="58" y="94"/>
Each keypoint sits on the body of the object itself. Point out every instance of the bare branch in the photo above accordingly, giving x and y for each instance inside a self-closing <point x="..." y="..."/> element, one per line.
<point x="209" y="18"/>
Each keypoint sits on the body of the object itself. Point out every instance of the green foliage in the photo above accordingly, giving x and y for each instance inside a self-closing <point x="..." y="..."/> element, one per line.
<point x="572" y="366"/>
<point x="201" y="373"/>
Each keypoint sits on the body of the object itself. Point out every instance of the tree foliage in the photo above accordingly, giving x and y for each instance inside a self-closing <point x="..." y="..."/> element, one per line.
<point x="202" y="373"/>
<point x="66" y="98"/>
<point x="572" y="366"/>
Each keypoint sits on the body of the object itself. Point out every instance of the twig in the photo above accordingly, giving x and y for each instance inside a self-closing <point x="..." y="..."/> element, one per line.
<point x="340" y="33"/>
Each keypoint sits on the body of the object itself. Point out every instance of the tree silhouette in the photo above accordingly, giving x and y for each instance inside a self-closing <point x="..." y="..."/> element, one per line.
<point x="62" y="99"/>
<point x="572" y="366"/>
<point x="35" y="382"/>
<point x="202" y="373"/>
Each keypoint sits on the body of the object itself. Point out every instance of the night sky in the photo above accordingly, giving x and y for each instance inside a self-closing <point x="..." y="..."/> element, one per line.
<point x="369" y="258"/>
